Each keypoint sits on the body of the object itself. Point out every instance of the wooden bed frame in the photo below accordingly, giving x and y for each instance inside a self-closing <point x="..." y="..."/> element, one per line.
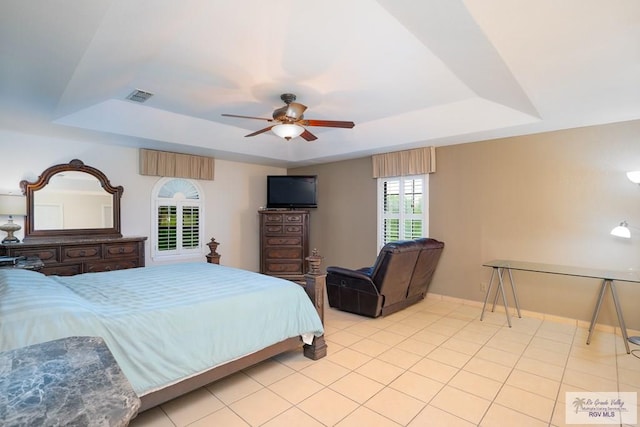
<point x="314" y="286"/>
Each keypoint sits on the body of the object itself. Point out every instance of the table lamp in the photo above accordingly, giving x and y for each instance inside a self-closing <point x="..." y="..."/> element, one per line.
<point x="12" y="205"/>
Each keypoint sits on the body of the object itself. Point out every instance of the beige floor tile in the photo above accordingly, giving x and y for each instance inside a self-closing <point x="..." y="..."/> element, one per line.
<point x="403" y="329"/>
<point x="546" y="356"/>
<point x="223" y="417"/>
<point x="296" y="360"/>
<point x="476" y="384"/>
<point x="362" y="417"/>
<point x="449" y="357"/>
<point x="415" y="346"/>
<point x="500" y="357"/>
<point x="370" y="347"/>
<point x="325" y="371"/>
<point x="191" y="407"/>
<point x="534" y="383"/>
<point x="344" y="338"/>
<point x="349" y="358"/>
<point x="233" y="388"/>
<point x="386" y="337"/>
<point x="417" y="386"/>
<point x="290" y="418"/>
<point x="430" y="337"/>
<point x="154" y="417"/>
<point x="260" y="407"/>
<point x="509" y="345"/>
<point x="395" y="405"/>
<point x="589" y="382"/>
<point x="432" y="416"/>
<point x="468" y="334"/>
<point x="296" y="387"/>
<point x="357" y="387"/>
<point x="500" y="416"/>
<point x="464" y="405"/>
<point x="555" y="336"/>
<point x="400" y="358"/>
<point x="551" y="345"/>
<point x="488" y="369"/>
<point x="456" y="343"/>
<point x="328" y="406"/>
<point x="553" y="372"/>
<point x="363" y="329"/>
<point x="380" y="371"/>
<point x="592" y="367"/>
<point x="268" y="372"/>
<point x="526" y="402"/>
<point x="435" y="370"/>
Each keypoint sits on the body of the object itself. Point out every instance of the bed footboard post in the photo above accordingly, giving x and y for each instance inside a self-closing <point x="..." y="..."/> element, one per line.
<point x="213" y="257"/>
<point x="314" y="285"/>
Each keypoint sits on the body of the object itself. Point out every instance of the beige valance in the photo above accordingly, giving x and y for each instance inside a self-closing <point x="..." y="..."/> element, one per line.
<point x="408" y="162"/>
<point x="164" y="163"/>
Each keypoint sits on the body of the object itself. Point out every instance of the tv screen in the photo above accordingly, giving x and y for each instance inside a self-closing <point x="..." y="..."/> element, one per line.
<point x="292" y="191"/>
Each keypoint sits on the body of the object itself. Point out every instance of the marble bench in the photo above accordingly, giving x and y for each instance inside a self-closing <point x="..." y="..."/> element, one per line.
<point x="72" y="381"/>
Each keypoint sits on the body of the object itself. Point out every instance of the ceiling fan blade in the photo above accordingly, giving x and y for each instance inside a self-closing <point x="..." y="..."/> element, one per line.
<point x="247" y="117"/>
<point x="308" y="136"/>
<point x="328" y="123"/>
<point x="258" y="132"/>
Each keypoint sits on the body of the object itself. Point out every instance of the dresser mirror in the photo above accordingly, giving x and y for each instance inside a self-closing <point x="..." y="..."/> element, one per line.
<point x="73" y="201"/>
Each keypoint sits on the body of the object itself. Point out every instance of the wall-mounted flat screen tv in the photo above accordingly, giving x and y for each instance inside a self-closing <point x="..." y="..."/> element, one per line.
<point x="292" y="191"/>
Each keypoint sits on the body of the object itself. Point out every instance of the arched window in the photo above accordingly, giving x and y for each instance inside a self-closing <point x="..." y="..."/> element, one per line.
<point x="177" y="213"/>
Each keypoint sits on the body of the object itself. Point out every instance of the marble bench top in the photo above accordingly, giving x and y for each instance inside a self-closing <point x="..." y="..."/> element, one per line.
<point x="72" y="381"/>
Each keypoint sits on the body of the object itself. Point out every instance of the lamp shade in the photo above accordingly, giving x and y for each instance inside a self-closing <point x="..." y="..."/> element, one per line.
<point x="622" y="230"/>
<point x="287" y="131"/>
<point x="13" y="205"/>
<point x="634" y="176"/>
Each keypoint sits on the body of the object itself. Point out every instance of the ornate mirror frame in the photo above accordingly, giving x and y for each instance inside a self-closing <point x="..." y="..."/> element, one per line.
<point x="28" y="189"/>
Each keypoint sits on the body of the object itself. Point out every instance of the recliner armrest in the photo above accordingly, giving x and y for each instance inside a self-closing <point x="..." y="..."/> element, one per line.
<point x="352" y="279"/>
<point x="355" y="274"/>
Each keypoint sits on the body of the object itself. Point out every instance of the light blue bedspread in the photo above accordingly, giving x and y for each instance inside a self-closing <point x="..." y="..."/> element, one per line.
<point x="162" y="323"/>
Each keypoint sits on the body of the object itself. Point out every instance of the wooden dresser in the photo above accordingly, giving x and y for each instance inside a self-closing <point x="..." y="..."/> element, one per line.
<point x="284" y="243"/>
<point x="69" y="257"/>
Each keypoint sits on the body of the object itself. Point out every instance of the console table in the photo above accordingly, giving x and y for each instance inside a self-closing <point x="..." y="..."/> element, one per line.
<point x="71" y="381"/>
<point x="607" y="276"/>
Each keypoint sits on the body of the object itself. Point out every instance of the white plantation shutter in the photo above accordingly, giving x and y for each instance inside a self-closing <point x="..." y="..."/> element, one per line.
<point x="178" y="229"/>
<point x="403" y="210"/>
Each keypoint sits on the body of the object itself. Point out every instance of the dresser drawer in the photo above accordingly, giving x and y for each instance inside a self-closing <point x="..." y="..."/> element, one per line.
<point x="81" y="252"/>
<point x="46" y="255"/>
<point x="283" y="253"/>
<point x="95" y="267"/>
<point x="293" y="218"/>
<point x="293" y="229"/>
<point x="283" y="267"/>
<point x="273" y="218"/>
<point x="284" y="241"/>
<point x="62" y="270"/>
<point x="120" y="250"/>
<point x="273" y="229"/>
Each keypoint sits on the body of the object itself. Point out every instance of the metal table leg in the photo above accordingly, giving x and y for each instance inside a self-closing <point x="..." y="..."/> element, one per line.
<point x="515" y="296"/>
<point x="486" y="296"/>
<point x="623" y="327"/>
<point x="504" y="297"/>
<point x="596" y="311"/>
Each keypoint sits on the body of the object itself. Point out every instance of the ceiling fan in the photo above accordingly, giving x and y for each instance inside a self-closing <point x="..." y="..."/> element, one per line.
<point x="289" y="121"/>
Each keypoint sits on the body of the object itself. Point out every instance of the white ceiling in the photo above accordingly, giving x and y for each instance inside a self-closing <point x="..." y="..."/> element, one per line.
<point x="408" y="72"/>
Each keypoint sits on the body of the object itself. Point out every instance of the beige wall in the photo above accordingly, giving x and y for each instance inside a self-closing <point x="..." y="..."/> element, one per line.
<point x="343" y="227"/>
<point x="549" y="198"/>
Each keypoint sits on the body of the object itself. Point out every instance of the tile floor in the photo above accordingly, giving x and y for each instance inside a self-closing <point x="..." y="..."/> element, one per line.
<point x="432" y="364"/>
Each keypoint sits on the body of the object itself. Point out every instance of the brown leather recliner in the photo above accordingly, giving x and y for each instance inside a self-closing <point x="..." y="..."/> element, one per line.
<point x="400" y="277"/>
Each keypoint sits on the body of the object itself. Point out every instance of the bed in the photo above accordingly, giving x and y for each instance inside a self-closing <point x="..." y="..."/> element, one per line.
<point x="171" y="328"/>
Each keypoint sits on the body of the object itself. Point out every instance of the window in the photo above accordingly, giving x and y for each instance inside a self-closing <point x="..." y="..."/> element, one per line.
<point x="177" y="210"/>
<point x="402" y="208"/>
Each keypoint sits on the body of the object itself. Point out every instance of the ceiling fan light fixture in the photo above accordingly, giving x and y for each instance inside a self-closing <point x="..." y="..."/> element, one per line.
<point x="287" y="131"/>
